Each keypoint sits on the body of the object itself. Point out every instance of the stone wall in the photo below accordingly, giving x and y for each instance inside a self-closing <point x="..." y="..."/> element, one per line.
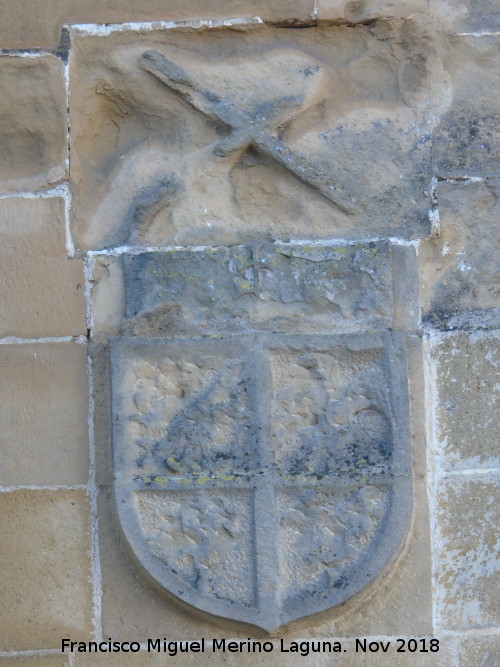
<point x="267" y="225"/>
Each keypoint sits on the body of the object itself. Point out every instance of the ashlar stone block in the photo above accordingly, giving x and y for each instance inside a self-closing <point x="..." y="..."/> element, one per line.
<point x="41" y="290"/>
<point x="467" y="139"/>
<point x="45" y="585"/>
<point x="47" y="18"/>
<point x="107" y="294"/>
<point x="33" y="125"/>
<point x="461" y="272"/>
<point x="50" y="660"/>
<point x="484" y="651"/>
<point x="348" y="657"/>
<point x="468" y="385"/>
<point x="289" y="451"/>
<point x="43" y="409"/>
<point x="466" y="562"/>
<point x="217" y="137"/>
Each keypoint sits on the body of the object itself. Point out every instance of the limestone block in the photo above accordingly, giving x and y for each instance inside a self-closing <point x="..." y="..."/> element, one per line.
<point x="46" y="592"/>
<point x="484" y="651"/>
<point x="354" y="658"/>
<point x="102" y="411"/>
<point x="466" y="561"/>
<point x="41" y="290"/>
<point x="47" y="18"/>
<point x="313" y="133"/>
<point x="125" y="659"/>
<point x="468" y="404"/>
<point x="357" y="11"/>
<point x="461" y="271"/>
<point x="44" y="412"/>
<point x="51" y="660"/>
<point x="33" y="123"/>
<point x="467" y="139"/>
<point x="107" y="294"/>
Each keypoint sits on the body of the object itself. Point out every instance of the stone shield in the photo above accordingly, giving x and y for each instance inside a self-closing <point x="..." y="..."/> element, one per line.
<point x="261" y="476"/>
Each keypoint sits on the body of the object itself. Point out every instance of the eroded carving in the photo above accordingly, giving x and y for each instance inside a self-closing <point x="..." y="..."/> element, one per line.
<point x="250" y="129"/>
<point x="192" y="416"/>
<point x="262" y="474"/>
<point x="231" y="136"/>
<point x="324" y="536"/>
<point x="286" y="451"/>
<point x="192" y="533"/>
<point x="331" y="412"/>
<point x="262" y="286"/>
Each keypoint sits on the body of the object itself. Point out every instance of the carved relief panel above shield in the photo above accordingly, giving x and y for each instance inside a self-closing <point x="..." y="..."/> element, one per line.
<point x="259" y="389"/>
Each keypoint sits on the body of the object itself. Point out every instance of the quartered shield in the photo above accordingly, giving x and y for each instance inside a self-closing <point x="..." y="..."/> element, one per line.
<point x="261" y="475"/>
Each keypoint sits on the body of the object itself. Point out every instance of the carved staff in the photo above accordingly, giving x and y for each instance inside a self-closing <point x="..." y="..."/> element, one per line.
<point x="247" y="130"/>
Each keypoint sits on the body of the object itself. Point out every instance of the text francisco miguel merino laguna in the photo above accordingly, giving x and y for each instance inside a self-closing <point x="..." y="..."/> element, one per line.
<point x="172" y="648"/>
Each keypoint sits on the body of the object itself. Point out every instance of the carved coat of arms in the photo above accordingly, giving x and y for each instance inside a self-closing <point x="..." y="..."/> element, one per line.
<point x="261" y="474"/>
<point x="261" y="477"/>
<point x="259" y="390"/>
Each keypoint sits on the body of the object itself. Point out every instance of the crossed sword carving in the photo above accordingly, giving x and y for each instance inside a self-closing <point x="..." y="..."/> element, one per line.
<point x="246" y="130"/>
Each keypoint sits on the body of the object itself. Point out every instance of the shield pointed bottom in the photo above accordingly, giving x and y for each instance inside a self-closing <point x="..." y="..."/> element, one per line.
<point x="261" y="480"/>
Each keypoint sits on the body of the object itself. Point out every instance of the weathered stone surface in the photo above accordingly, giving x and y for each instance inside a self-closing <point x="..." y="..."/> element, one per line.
<point x="47" y="19"/>
<point x="107" y="294"/>
<point x="102" y="413"/>
<point x="129" y="609"/>
<point x="51" y="660"/>
<point x="43" y="409"/>
<point x="132" y="659"/>
<point x="468" y="385"/>
<point x="466" y="559"/>
<point x="203" y="469"/>
<point x="461" y="270"/>
<point x="478" y="16"/>
<point x="400" y="605"/>
<point x="360" y="11"/>
<point x="33" y="123"/>
<point x="223" y="137"/>
<point x="45" y="588"/>
<point x="467" y="139"/>
<point x="230" y="139"/>
<point x="263" y="286"/>
<point x="483" y="651"/>
<point x="41" y="290"/>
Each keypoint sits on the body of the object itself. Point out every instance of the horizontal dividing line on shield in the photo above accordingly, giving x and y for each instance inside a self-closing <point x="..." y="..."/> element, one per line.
<point x="242" y="481"/>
